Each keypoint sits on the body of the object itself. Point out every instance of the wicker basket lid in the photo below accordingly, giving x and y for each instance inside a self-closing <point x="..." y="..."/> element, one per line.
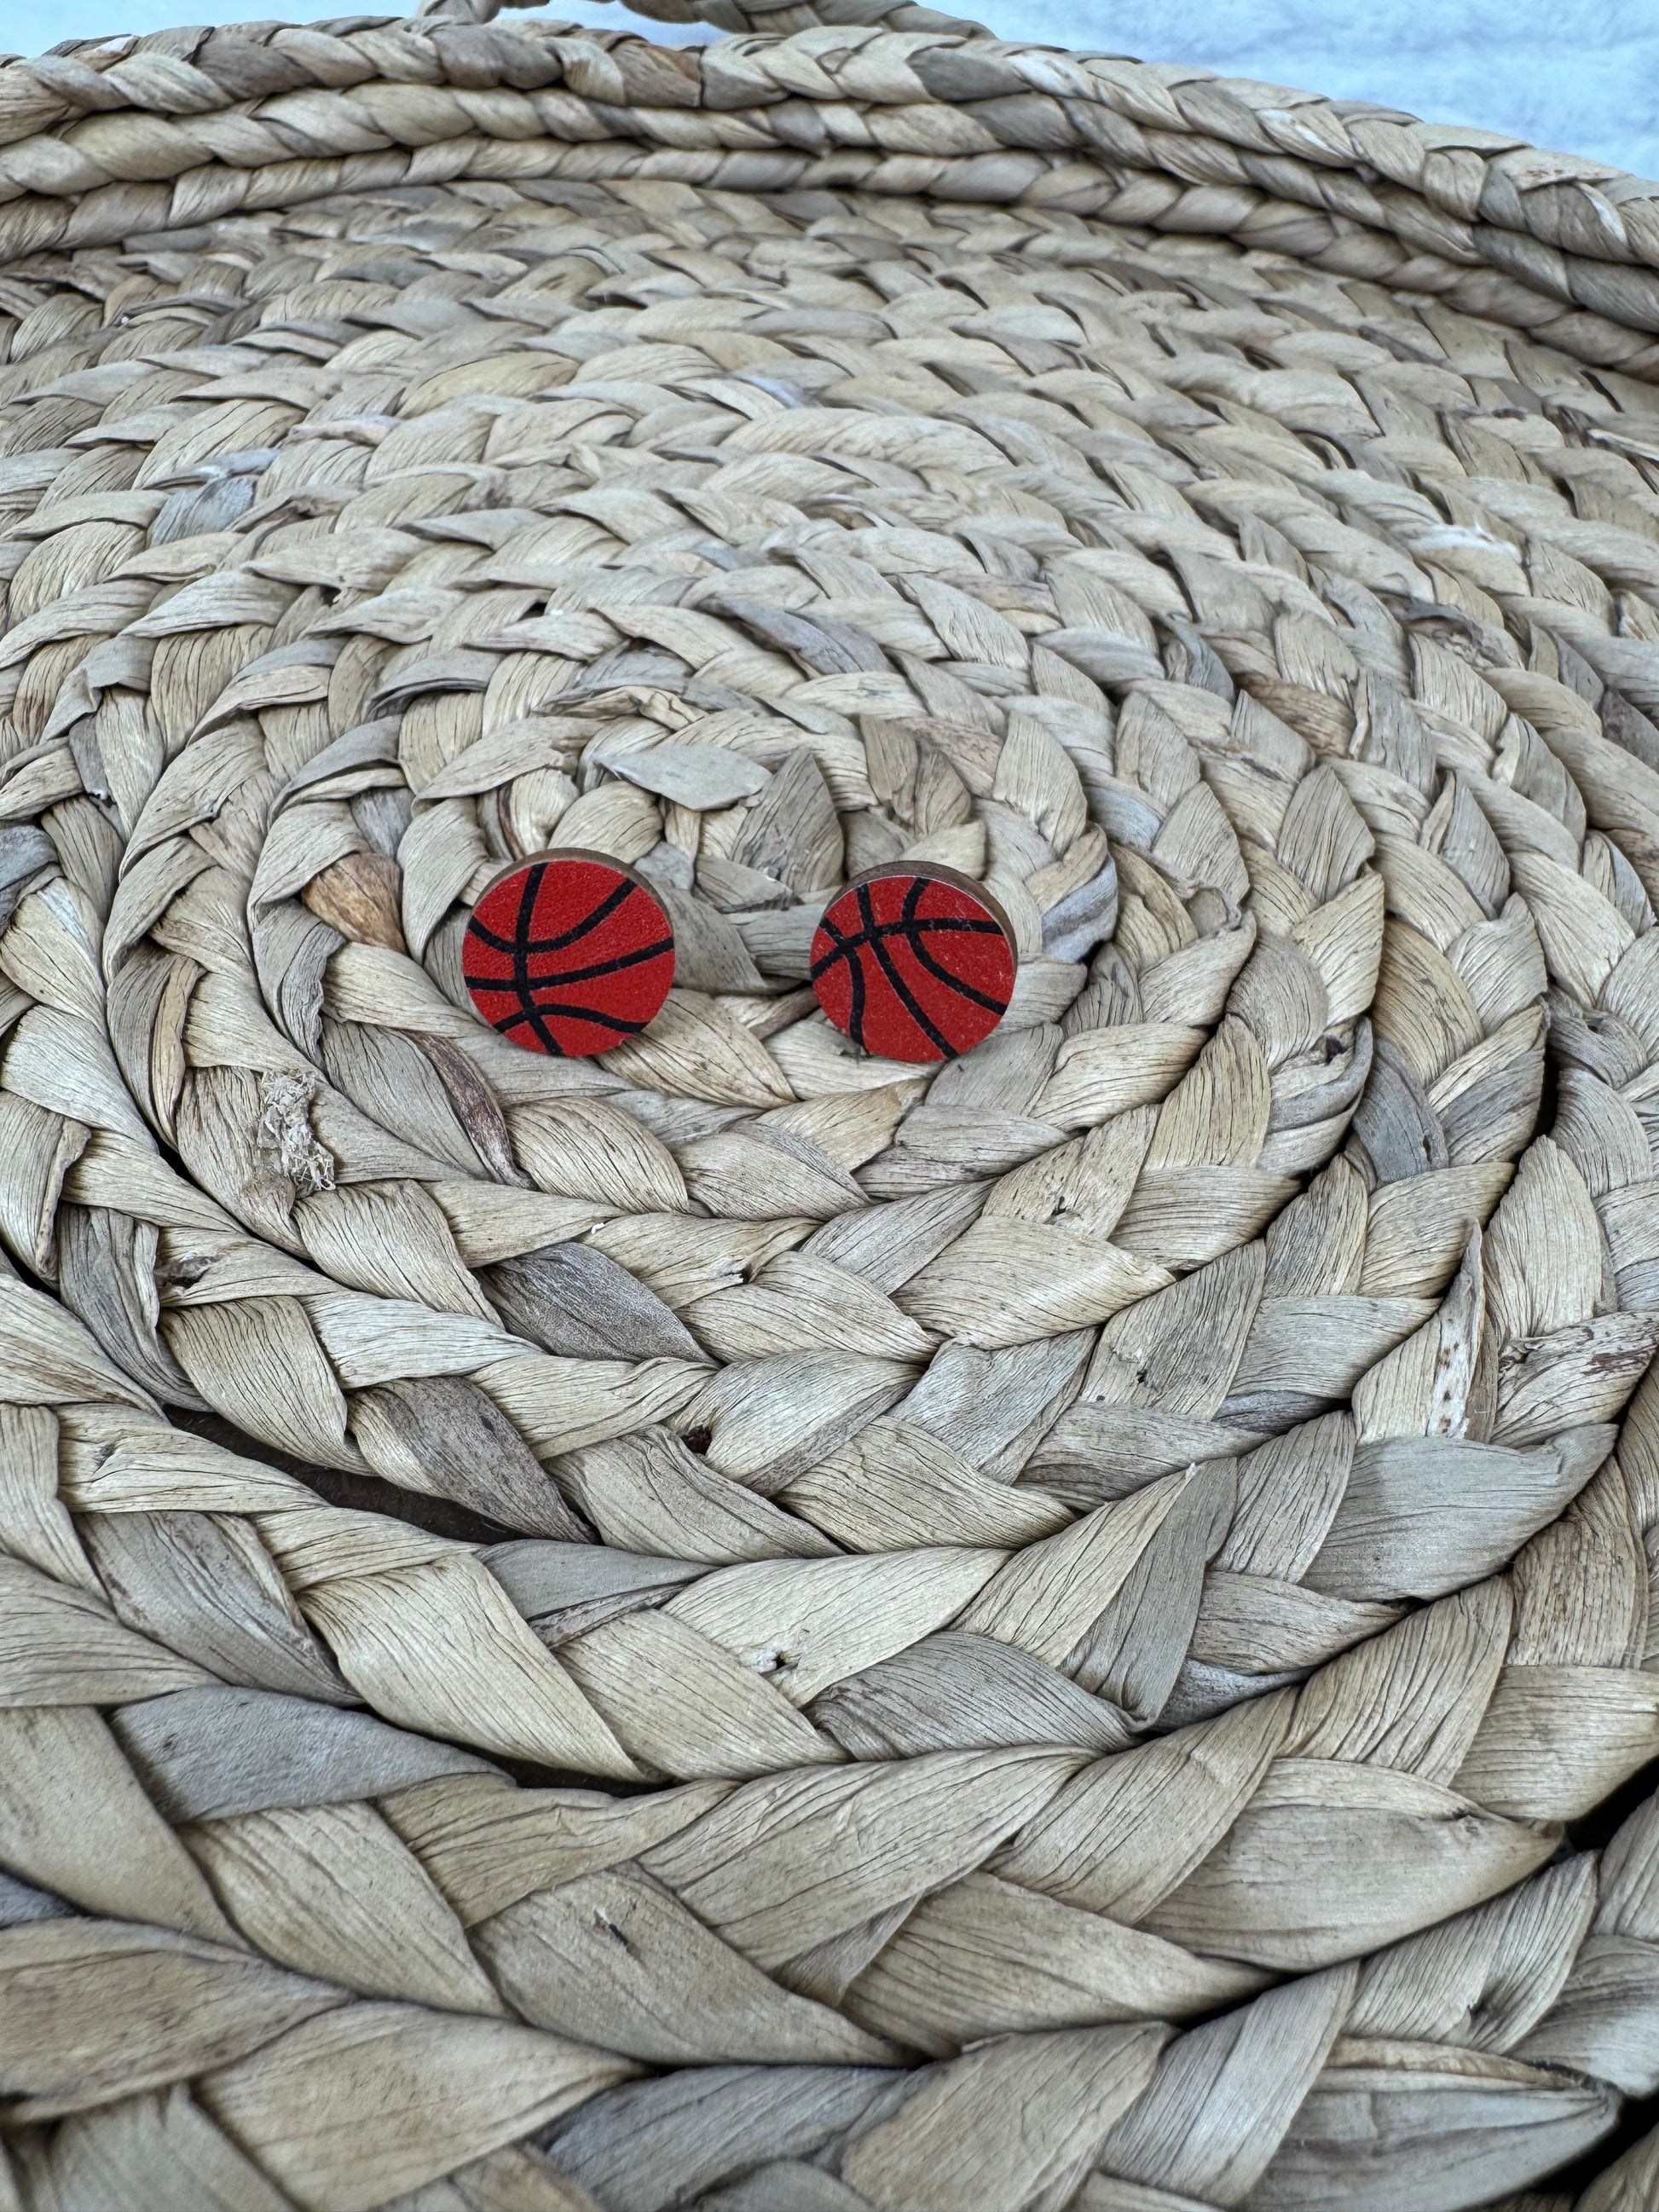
<point x="732" y="1623"/>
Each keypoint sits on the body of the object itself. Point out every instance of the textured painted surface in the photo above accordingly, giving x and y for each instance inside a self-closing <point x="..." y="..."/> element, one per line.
<point x="913" y="966"/>
<point x="569" y="955"/>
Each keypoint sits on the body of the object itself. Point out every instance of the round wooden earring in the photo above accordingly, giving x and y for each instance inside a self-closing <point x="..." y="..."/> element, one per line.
<point x="568" y="953"/>
<point x="913" y="962"/>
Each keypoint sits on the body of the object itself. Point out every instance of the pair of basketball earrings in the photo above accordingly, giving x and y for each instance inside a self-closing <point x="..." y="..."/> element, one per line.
<point x="571" y="953"/>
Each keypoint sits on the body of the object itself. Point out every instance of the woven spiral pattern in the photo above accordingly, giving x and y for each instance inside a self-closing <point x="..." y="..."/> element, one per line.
<point x="736" y="1624"/>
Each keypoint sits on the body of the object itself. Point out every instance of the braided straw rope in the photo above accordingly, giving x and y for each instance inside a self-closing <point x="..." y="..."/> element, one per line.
<point x="738" y="1624"/>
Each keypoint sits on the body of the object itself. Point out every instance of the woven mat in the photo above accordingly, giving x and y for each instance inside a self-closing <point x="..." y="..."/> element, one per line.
<point x="738" y="1624"/>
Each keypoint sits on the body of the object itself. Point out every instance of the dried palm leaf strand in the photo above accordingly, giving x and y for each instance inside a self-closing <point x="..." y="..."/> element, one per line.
<point x="1488" y="1735"/>
<point x="416" y="1257"/>
<point x="1481" y="2051"/>
<point x="1125" y="1435"/>
<point x="141" y="134"/>
<point x="190" y="1782"/>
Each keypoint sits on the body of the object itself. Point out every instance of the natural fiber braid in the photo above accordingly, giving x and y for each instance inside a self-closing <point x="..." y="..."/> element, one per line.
<point x="1076" y="1094"/>
<point x="256" y="117"/>
<point x="1333" y="2083"/>
<point x="193" y="1754"/>
<point x="1624" y="2186"/>
<point x="155" y="1509"/>
<point x="954" y="1578"/>
<point x="1544" y="1996"/>
<point x="1154" y="688"/>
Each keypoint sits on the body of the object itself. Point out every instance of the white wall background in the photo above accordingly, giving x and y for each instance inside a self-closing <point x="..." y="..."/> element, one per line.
<point x="1579" y="74"/>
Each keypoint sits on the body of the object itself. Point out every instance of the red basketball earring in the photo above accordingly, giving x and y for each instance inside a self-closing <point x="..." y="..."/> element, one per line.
<point x="913" y="963"/>
<point x="568" y="953"/>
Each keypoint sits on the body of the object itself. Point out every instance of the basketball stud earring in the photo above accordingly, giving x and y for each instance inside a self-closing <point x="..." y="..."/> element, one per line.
<point x="568" y="953"/>
<point x="913" y="963"/>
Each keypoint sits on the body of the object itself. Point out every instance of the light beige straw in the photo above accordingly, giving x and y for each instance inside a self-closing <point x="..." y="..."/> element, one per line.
<point x="738" y="1625"/>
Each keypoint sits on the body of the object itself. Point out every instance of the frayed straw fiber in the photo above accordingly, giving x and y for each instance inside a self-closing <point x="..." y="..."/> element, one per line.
<point x="735" y="1625"/>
